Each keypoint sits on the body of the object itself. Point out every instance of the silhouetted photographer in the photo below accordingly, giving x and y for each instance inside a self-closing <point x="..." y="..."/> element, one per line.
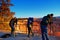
<point x="45" y="21"/>
<point x="30" y="25"/>
<point x="12" y="23"/>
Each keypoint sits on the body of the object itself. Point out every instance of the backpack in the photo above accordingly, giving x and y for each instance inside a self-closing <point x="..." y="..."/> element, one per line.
<point x="45" y="20"/>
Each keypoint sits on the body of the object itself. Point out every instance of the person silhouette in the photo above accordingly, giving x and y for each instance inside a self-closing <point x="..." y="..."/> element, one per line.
<point x="11" y="23"/>
<point x="45" y="21"/>
<point x="29" y="25"/>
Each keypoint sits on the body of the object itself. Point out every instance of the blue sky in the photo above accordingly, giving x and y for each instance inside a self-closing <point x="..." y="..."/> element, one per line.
<point x="35" y="8"/>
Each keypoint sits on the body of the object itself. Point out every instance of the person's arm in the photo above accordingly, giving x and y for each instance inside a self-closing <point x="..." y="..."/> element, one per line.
<point x="51" y="21"/>
<point x="16" y="21"/>
<point x="47" y="20"/>
<point x="51" y="27"/>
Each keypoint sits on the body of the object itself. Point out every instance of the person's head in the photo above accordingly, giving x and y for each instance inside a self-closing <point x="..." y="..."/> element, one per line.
<point x="14" y="18"/>
<point x="31" y="18"/>
<point x="48" y="15"/>
<point x="51" y="15"/>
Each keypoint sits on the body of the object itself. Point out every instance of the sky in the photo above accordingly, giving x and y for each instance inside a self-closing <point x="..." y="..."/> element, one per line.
<point x="35" y="8"/>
